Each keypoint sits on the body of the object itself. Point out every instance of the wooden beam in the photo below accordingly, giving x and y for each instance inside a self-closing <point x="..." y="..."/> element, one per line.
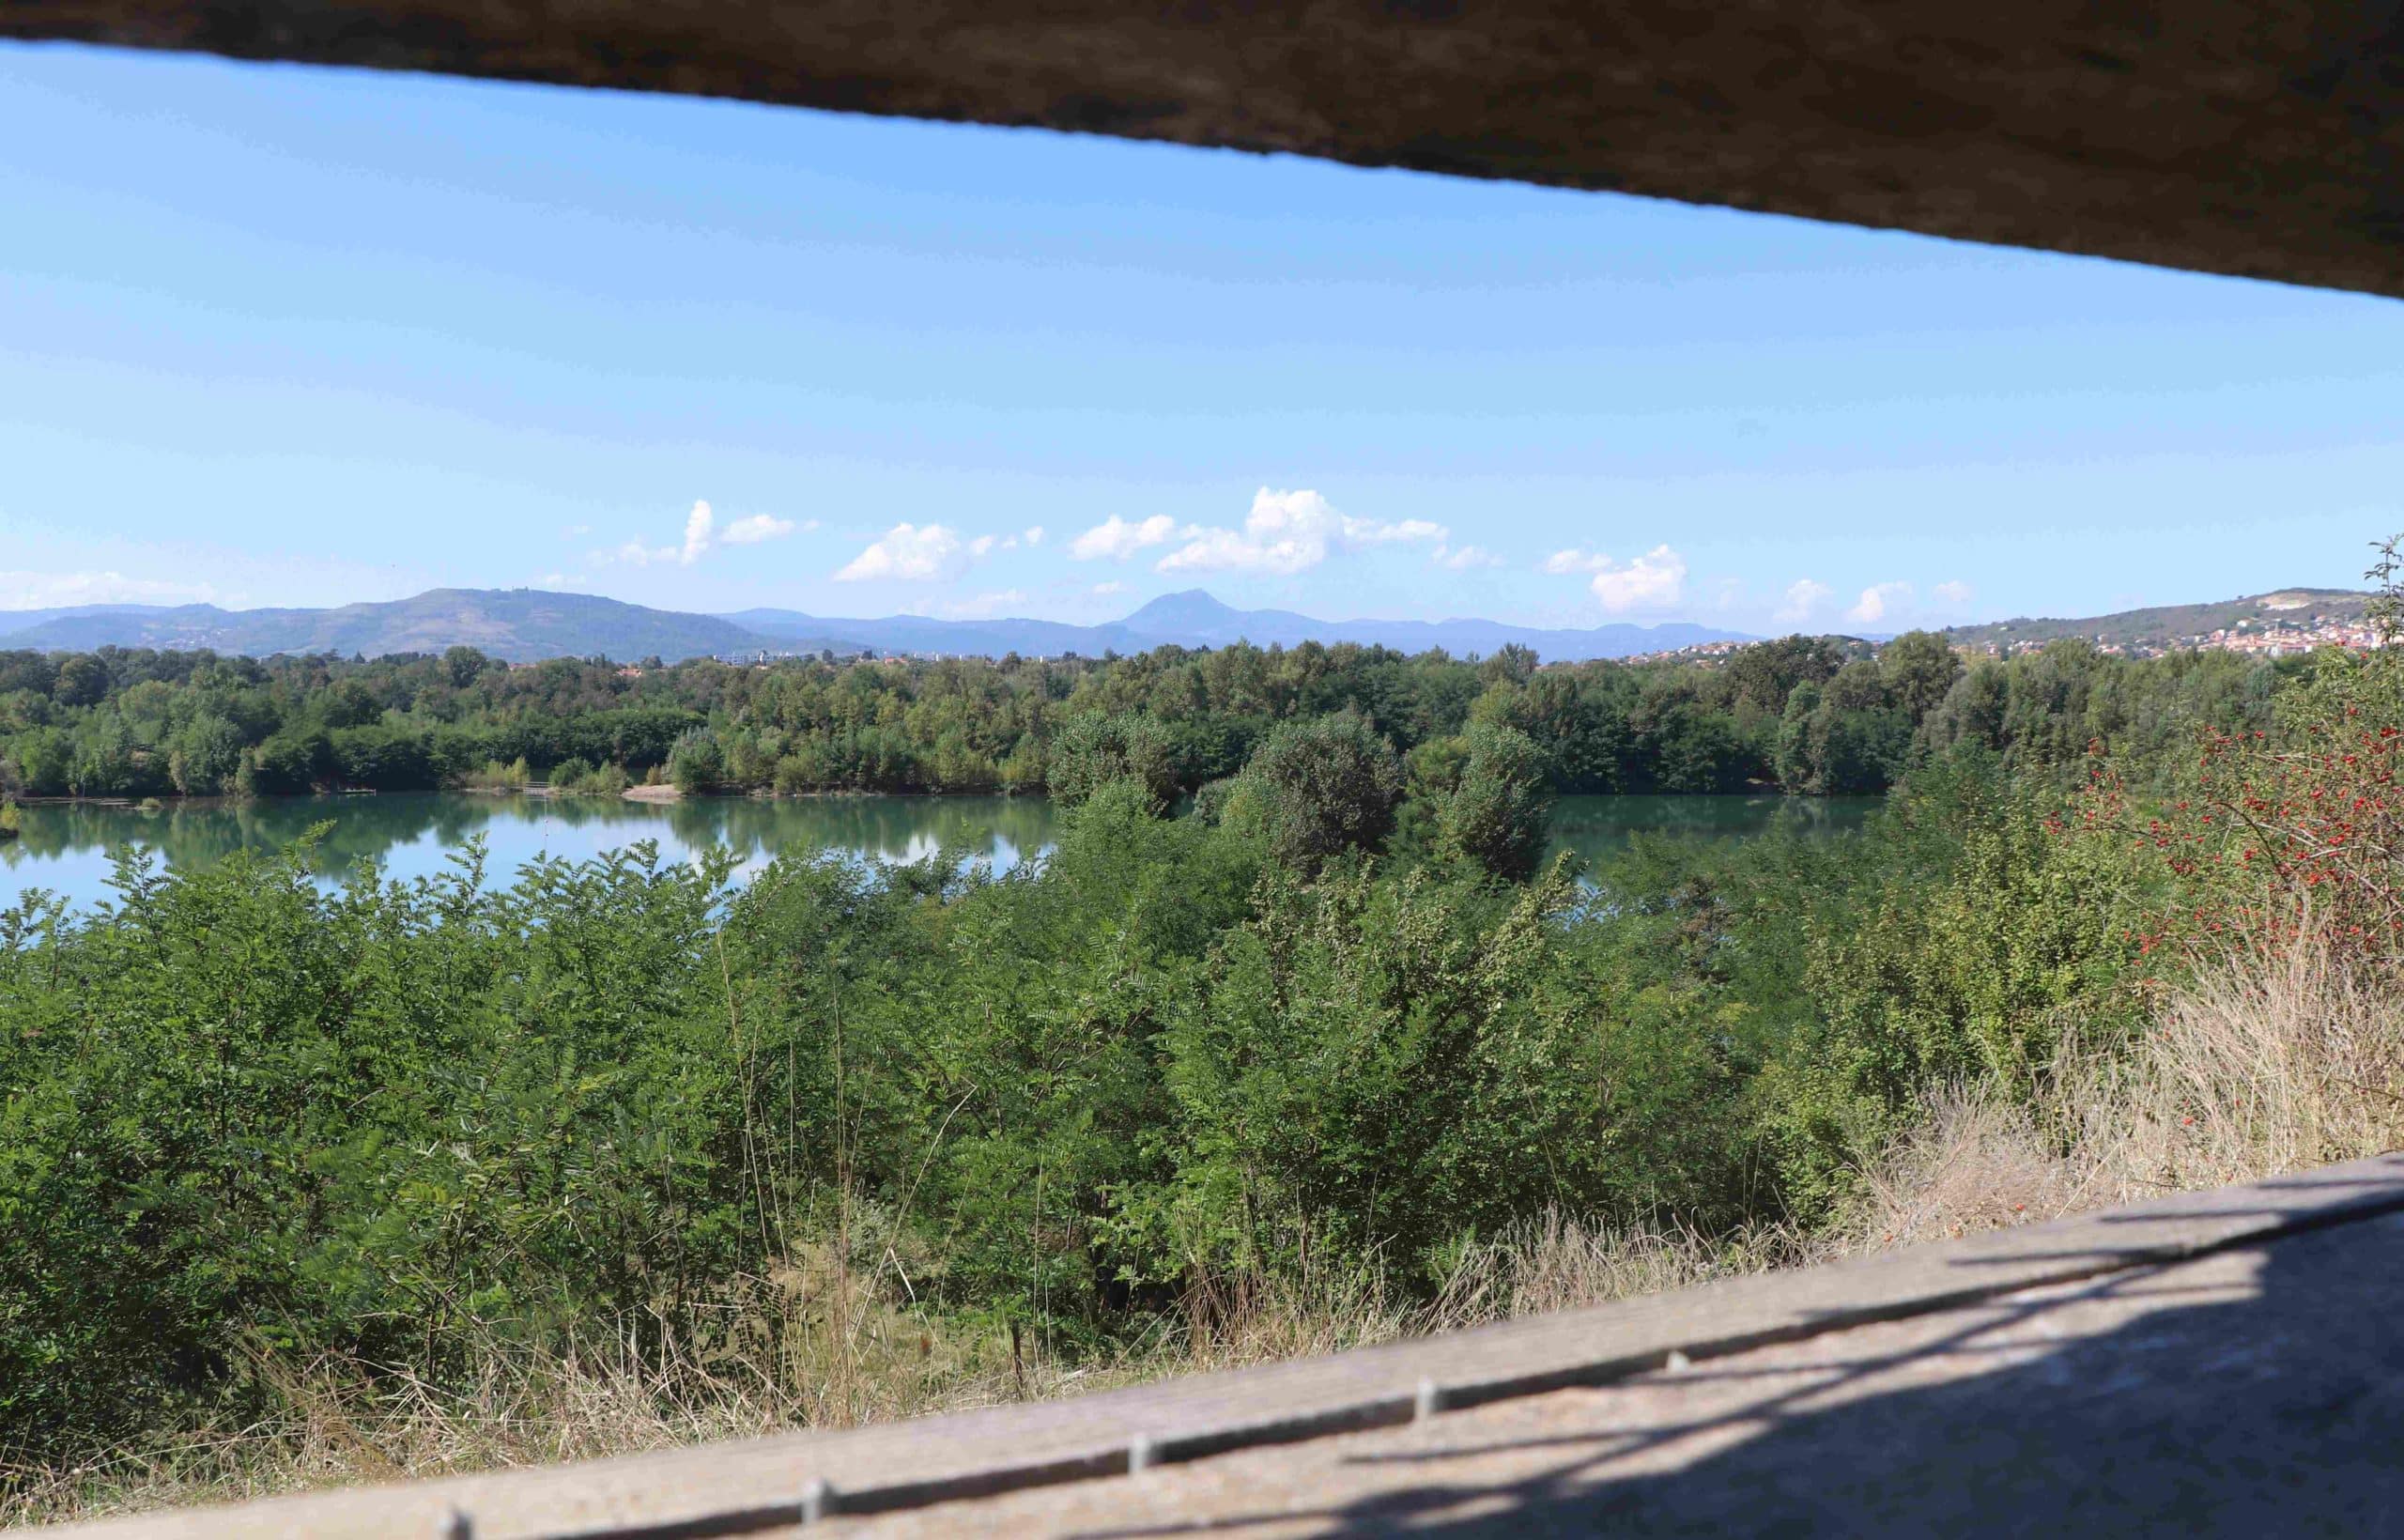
<point x="2255" y="137"/>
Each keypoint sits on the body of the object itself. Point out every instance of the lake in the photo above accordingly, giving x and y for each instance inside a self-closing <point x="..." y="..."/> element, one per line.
<point x="66" y="846"/>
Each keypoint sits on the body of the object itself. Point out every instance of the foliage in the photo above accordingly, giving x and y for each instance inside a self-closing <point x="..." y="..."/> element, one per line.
<point x="2287" y="833"/>
<point x="1501" y="806"/>
<point x="1315" y="790"/>
<point x="1305" y="1029"/>
<point x="245" y="1115"/>
<point x="497" y="777"/>
<point x="1993" y="934"/>
<point x="1369" y="1066"/>
<point x="576" y="777"/>
<point x="1096" y="749"/>
<point x="134" y="722"/>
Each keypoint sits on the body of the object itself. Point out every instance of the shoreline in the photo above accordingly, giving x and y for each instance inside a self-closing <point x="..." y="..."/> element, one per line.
<point x="666" y="794"/>
<point x="542" y="791"/>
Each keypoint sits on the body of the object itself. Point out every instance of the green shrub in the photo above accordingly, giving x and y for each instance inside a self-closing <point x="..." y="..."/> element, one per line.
<point x="1314" y="790"/>
<point x="697" y="762"/>
<point x="1500" y="814"/>
<point x="497" y="777"/>
<point x="1094" y="750"/>
<point x="1979" y="971"/>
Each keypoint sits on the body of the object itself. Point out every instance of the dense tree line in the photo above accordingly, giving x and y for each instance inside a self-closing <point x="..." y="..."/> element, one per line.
<point x="1810" y="715"/>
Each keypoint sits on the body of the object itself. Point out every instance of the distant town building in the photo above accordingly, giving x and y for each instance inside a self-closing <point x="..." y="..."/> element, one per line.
<point x="2284" y="636"/>
<point x="2276" y="636"/>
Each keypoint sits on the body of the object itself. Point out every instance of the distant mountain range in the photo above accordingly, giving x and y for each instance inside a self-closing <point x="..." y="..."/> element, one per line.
<point x="1195" y="618"/>
<point x="524" y="626"/>
<point x="519" y="624"/>
<point x="2164" y="626"/>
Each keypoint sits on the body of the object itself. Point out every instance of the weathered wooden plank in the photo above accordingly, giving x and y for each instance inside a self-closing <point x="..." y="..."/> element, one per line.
<point x="2254" y="137"/>
<point x="728" y="1488"/>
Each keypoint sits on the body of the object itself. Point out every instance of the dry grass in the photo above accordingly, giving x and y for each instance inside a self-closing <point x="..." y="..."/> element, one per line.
<point x="1977" y="1162"/>
<point x="1555" y="1262"/>
<point x="816" y="1348"/>
<point x="2279" y="1060"/>
<point x="2276" y="1058"/>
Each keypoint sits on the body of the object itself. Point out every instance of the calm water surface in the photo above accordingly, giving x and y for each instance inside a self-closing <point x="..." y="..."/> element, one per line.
<point x="66" y="848"/>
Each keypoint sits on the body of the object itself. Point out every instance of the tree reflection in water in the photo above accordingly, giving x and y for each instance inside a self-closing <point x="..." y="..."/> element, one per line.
<point x="66" y="846"/>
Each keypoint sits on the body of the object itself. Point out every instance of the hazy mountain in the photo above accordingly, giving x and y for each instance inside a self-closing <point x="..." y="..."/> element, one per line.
<point x="18" y="620"/>
<point x="1195" y="615"/>
<point x="2163" y="624"/>
<point x="519" y="624"/>
<point x="919" y="634"/>
<point x="1195" y="618"/>
<point x="525" y="624"/>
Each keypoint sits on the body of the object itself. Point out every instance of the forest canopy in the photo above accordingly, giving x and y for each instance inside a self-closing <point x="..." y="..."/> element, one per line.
<point x="1816" y="716"/>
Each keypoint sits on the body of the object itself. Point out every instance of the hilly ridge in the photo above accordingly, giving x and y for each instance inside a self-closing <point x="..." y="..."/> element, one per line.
<point x="2166" y="625"/>
<point x="525" y="625"/>
<point x="1196" y="618"/>
<point x="522" y="625"/>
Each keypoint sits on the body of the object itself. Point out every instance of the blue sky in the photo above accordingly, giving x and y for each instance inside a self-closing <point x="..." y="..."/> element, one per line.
<point x="271" y="335"/>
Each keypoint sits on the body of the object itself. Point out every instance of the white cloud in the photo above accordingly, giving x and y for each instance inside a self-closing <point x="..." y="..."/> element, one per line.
<point x="750" y="530"/>
<point x="1463" y="557"/>
<point x="1286" y="533"/>
<point x="1116" y="539"/>
<point x="1803" y="597"/>
<point x="1653" y="580"/>
<point x="634" y="554"/>
<point x="1562" y="564"/>
<point x="986" y="544"/>
<point x="702" y="535"/>
<point x="1103" y="591"/>
<point x="562" y="580"/>
<point x="984" y="606"/>
<point x="1956" y="593"/>
<point x="576" y="531"/>
<point x="1365" y="531"/>
<point x="697" y="534"/>
<point x="907" y="552"/>
<point x="1875" y="600"/>
<point x="60" y="590"/>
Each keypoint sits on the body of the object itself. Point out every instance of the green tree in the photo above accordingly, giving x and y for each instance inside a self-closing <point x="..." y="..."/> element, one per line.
<point x="349" y="703"/>
<point x="463" y="665"/>
<point x="1917" y="669"/>
<point x="1797" y="758"/>
<point x="1316" y="788"/>
<point x="206" y="756"/>
<point x="1768" y="673"/>
<point x="82" y="681"/>
<point x="45" y="759"/>
<point x="1095" y="749"/>
<point x="1500" y="814"/>
<point x="1972" y="711"/>
<point x="697" y="763"/>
